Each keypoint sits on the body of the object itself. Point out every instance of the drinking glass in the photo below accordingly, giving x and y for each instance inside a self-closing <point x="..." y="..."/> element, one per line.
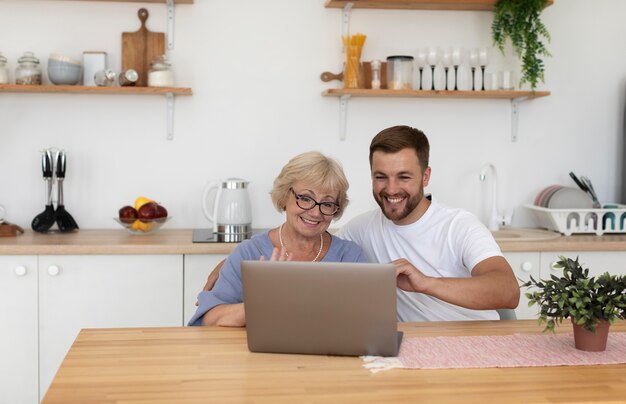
<point x="434" y="54"/>
<point x="446" y="59"/>
<point x="474" y="62"/>
<point x="421" y="63"/>
<point x="457" y="59"/>
<point x="483" y="59"/>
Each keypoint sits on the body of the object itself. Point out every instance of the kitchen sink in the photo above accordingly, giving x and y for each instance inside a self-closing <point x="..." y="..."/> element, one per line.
<point x="524" y="235"/>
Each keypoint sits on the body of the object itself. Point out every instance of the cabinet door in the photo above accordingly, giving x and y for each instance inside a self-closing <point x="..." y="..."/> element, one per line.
<point x="91" y="291"/>
<point x="18" y="329"/>
<point x="524" y="265"/>
<point x="598" y="262"/>
<point x="197" y="269"/>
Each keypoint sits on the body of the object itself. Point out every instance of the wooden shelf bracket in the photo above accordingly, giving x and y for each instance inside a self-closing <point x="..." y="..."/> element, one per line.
<point x="169" y="105"/>
<point x="515" y="116"/>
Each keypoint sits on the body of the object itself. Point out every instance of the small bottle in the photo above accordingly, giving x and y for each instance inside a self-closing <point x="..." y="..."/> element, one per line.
<point x="128" y="78"/>
<point x="28" y="71"/>
<point x="160" y="73"/>
<point x="4" y="72"/>
<point x="104" y="78"/>
<point x="375" y="64"/>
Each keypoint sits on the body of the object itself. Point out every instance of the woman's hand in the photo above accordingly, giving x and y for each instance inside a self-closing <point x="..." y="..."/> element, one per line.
<point x="277" y="255"/>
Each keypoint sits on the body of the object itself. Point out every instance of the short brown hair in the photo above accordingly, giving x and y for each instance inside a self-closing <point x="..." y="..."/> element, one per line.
<point x="396" y="138"/>
<point x="316" y="170"/>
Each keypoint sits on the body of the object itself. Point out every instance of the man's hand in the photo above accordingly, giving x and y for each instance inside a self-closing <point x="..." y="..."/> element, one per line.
<point x="215" y="273"/>
<point x="409" y="278"/>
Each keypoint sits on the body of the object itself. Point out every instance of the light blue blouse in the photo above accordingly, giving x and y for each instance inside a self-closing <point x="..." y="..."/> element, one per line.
<point x="228" y="288"/>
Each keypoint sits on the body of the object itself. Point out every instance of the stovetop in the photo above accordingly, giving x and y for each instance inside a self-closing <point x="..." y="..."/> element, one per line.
<point x="208" y="236"/>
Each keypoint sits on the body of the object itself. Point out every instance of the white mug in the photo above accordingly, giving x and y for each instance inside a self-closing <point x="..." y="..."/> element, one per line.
<point x="3" y="213"/>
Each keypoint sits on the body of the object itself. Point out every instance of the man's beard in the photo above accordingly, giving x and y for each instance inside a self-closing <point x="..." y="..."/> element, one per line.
<point x="410" y="204"/>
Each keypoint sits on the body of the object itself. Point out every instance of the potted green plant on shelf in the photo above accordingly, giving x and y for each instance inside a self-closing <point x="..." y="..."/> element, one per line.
<point x="593" y="303"/>
<point x="519" y="21"/>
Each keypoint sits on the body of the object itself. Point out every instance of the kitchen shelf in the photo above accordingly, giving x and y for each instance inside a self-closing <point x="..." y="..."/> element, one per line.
<point x="143" y="1"/>
<point x="33" y="89"/>
<point x="472" y="5"/>
<point x="498" y="94"/>
<point x="168" y="92"/>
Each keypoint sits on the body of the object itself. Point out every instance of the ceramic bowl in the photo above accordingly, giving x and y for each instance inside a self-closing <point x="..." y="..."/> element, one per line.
<point x="143" y="226"/>
<point x="64" y="70"/>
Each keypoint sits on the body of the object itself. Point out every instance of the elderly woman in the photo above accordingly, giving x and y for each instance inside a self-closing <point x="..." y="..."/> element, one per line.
<point x="312" y="191"/>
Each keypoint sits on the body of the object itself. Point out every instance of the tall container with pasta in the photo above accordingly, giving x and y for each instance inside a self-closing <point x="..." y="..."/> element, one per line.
<point x="353" y="45"/>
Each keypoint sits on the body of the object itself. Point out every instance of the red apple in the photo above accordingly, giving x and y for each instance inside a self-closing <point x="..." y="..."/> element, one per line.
<point x="147" y="211"/>
<point x="127" y="214"/>
<point x="161" y="213"/>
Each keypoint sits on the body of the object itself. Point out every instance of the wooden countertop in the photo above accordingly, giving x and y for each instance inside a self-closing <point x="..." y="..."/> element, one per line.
<point x="213" y="364"/>
<point x="179" y="241"/>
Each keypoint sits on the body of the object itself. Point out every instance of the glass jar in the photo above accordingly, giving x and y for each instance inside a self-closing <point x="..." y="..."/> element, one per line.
<point x="400" y="72"/>
<point x="4" y="72"/>
<point x="28" y="71"/>
<point x="375" y="65"/>
<point x="104" y="78"/>
<point x="160" y="73"/>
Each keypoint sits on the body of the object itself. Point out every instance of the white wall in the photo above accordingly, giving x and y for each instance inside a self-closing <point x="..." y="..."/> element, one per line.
<point x="254" y="68"/>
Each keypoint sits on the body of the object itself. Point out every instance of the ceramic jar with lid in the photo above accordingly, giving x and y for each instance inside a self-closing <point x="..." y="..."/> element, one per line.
<point x="4" y="72"/>
<point x="28" y="71"/>
<point x="160" y="73"/>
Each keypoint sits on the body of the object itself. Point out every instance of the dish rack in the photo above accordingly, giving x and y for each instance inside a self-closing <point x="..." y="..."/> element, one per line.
<point x="571" y="221"/>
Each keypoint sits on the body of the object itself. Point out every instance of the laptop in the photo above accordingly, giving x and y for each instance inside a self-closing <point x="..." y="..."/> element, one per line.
<point x="323" y="308"/>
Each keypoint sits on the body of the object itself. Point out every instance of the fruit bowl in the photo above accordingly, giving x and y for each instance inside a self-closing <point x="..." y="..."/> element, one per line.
<point x="143" y="226"/>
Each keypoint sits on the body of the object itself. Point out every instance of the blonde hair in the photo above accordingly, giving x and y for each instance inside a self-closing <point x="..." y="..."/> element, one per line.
<point x="316" y="170"/>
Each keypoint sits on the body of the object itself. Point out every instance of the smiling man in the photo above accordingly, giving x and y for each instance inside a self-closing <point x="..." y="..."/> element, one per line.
<point x="448" y="265"/>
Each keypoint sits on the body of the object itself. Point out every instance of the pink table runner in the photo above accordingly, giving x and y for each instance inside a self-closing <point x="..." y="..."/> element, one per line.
<point x="501" y="351"/>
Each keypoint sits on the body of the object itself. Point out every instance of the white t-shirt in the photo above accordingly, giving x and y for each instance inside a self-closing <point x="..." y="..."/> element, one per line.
<point x="444" y="242"/>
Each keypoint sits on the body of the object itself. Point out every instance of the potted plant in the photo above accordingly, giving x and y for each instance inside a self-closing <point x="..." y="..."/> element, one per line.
<point x="519" y="20"/>
<point x="592" y="303"/>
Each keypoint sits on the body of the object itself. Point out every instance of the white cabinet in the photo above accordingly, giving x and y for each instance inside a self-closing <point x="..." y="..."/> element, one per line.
<point x="540" y="265"/>
<point x="524" y="265"/>
<point x="598" y="262"/>
<point x="92" y="291"/>
<point x="18" y="329"/>
<point x="197" y="269"/>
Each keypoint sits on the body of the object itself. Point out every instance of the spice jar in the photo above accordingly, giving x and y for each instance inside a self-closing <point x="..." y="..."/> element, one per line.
<point x="4" y="72"/>
<point x="128" y="78"/>
<point x="400" y="72"/>
<point x="103" y="78"/>
<point x="28" y="70"/>
<point x="375" y="65"/>
<point x="160" y="73"/>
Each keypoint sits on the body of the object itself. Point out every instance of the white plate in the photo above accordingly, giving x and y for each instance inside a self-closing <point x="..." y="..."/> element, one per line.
<point x="570" y="198"/>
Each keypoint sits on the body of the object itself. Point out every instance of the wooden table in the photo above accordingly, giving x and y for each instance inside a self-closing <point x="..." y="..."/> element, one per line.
<point x="213" y="364"/>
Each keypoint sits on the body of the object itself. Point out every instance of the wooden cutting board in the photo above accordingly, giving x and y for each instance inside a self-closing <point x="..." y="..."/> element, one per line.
<point x="139" y="48"/>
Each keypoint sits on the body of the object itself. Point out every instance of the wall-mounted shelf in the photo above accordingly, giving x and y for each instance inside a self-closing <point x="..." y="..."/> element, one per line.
<point x="143" y="1"/>
<point x="472" y="5"/>
<point x="169" y="93"/>
<point x="500" y="94"/>
<point x="32" y="89"/>
<point x="514" y="96"/>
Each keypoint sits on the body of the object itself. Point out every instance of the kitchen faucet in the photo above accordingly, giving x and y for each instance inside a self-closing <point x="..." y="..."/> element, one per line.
<point x="495" y="218"/>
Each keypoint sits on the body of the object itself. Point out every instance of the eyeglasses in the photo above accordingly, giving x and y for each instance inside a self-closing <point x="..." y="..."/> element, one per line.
<point x="308" y="203"/>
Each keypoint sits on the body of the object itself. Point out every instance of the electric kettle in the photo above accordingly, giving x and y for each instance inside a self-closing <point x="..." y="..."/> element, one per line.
<point x="229" y="209"/>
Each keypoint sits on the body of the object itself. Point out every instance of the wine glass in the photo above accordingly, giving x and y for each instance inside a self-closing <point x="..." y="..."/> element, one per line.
<point x="457" y="59"/>
<point x="483" y="59"/>
<point x="446" y="59"/>
<point x="474" y="62"/>
<point x="434" y="54"/>
<point x="421" y="63"/>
